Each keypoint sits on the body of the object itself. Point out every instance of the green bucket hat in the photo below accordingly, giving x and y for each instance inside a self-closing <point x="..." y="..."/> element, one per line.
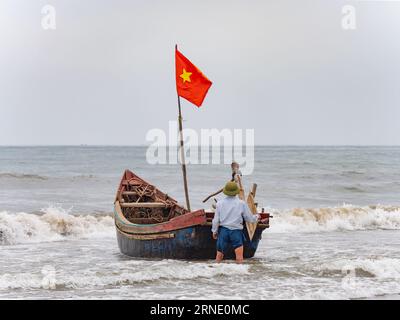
<point x="231" y="189"/>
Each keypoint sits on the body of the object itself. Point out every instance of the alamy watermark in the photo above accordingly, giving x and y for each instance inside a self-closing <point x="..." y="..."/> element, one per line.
<point x="349" y="21"/>
<point x="48" y="21"/>
<point x="209" y="146"/>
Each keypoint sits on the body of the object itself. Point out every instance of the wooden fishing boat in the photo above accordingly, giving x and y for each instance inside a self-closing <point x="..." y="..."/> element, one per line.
<point x="151" y="224"/>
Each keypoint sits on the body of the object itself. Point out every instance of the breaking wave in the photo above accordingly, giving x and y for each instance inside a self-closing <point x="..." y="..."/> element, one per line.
<point x="346" y="217"/>
<point x="7" y="175"/>
<point x="84" y="177"/>
<point x="56" y="224"/>
<point x="33" y="177"/>
<point x="53" y="224"/>
<point x="382" y="268"/>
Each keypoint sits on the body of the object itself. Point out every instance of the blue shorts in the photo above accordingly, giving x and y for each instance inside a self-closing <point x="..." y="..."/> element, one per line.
<point x="228" y="237"/>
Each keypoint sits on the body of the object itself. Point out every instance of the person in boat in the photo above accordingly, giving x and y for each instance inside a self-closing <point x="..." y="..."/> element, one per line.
<point x="236" y="173"/>
<point x="227" y="225"/>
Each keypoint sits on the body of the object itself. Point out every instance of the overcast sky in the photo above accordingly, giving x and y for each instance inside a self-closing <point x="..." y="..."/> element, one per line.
<point x="285" y="68"/>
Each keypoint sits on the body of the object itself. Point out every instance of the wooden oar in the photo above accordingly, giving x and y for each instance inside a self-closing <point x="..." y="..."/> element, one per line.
<point x="251" y="227"/>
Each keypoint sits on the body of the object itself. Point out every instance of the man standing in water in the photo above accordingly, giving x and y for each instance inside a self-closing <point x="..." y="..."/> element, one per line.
<point x="227" y="225"/>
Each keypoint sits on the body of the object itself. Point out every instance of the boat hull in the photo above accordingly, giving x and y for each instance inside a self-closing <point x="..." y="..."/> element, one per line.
<point x="190" y="243"/>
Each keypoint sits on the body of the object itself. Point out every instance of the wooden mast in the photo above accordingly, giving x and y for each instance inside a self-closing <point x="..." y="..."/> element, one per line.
<point x="183" y="155"/>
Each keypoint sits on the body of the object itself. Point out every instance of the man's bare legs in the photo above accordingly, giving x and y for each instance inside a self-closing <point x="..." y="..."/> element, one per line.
<point x="219" y="256"/>
<point x="239" y="254"/>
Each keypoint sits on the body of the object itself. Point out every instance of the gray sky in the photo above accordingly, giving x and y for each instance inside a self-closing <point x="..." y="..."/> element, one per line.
<point x="285" y="68"/>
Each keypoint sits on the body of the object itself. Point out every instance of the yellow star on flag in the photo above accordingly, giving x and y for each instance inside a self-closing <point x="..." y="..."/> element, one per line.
<point x="185" y="76"/>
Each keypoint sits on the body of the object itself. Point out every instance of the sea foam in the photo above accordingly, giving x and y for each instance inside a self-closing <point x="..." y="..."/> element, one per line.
<point x="126" y="274"/>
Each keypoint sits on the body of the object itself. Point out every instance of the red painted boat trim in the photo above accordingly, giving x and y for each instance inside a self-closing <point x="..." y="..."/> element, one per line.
<point x="184" y="221"/>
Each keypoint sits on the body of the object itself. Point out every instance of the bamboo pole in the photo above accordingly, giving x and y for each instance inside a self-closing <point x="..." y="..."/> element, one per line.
<point x="143" y="205"/>
<point x="254" y="189"/>
<point x="129" y="193"/>
<point x="241" y="190"/>
<point x="212" y="195"/>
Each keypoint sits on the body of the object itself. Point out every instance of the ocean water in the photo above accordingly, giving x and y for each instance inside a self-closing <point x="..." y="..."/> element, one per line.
<point x="335" y="233"/>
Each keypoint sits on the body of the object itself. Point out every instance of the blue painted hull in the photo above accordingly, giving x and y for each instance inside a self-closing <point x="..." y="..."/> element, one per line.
<point x="189" y="243"/>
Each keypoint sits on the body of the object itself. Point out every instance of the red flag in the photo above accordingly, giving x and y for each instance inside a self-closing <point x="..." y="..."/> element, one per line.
<point x="191" y="83"/>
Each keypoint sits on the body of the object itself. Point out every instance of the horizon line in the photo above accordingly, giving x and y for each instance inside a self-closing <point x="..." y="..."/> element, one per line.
<point x="199" y="145"/>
